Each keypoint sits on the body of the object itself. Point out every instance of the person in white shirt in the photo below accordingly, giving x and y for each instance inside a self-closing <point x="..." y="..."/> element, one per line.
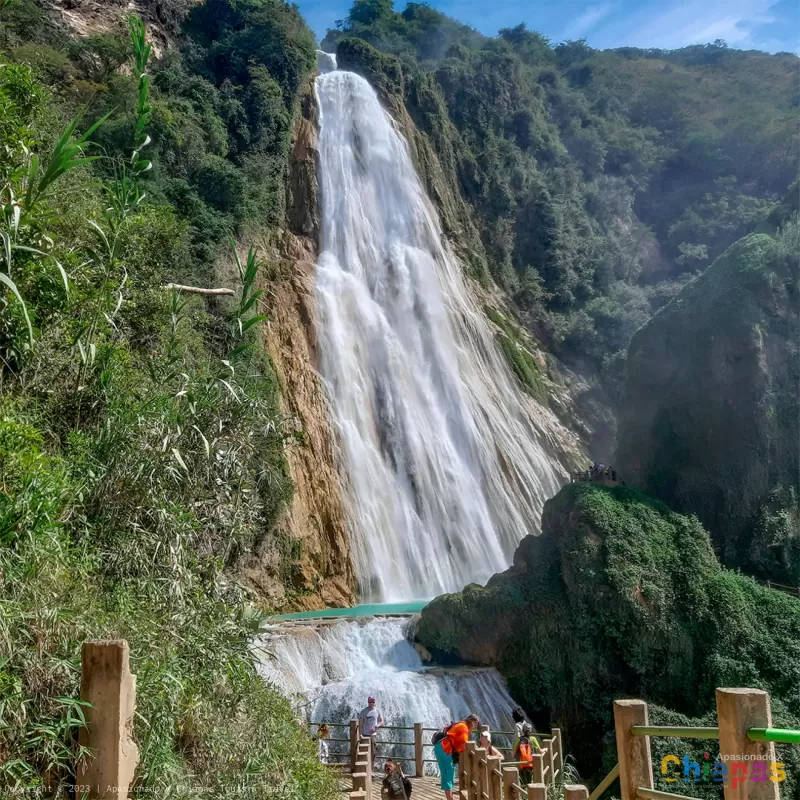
<point x="323" y="732"/>
<point x="370" y="719"/>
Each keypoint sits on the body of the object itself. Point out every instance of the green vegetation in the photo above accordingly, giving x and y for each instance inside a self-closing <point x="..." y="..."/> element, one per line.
<point x="598" y="182"/>
<point x="711" y="417"/>
<point x="141" y="448"/>
<point x="523" y="363"/>
<point x="619" y="597"/>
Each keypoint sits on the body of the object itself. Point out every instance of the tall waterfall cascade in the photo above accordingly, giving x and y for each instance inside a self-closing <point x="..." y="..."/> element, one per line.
<point x="447" y="461"/>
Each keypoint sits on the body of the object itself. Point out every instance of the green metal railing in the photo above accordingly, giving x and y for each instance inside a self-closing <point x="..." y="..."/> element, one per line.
<point x="780" y="735"/>
<point x="655" y="794"/>
<point x="679" y="733"/>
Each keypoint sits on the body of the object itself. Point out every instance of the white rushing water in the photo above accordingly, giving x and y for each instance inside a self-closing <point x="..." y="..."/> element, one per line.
<point x="447" y="462"/>
<point x="330" y="670"/>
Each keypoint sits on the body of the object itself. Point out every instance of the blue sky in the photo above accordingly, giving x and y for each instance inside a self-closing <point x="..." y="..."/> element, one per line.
<point x="771" y="25"/>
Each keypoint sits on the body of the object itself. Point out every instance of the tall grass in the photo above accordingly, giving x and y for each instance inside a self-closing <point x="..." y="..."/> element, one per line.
<point x="140" y="451"/>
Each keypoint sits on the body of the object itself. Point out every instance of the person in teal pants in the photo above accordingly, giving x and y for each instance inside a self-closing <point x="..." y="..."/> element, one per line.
<point x="449" y="748"/>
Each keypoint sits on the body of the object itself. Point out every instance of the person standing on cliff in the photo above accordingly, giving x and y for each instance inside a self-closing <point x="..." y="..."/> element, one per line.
<point x="448" y="749"/>
<point x="369" y="720"/>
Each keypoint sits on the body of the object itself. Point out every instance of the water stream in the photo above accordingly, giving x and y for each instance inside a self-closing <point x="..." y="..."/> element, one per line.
<point x="448" y="463"/>
<point x="330" y="669"/>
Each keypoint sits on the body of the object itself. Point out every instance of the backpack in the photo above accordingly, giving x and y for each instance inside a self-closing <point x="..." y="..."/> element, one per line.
<point x="442" y="734"/>
<point x="394" y="786"/>
<point x="525" y="753"/>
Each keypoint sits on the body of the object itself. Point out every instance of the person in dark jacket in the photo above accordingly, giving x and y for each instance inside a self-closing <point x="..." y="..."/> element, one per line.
<point x="395" y="785"/>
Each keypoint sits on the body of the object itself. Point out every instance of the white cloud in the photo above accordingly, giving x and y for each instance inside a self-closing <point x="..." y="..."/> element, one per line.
<point x="586" y="21"/>
<point x="690" y="22"/>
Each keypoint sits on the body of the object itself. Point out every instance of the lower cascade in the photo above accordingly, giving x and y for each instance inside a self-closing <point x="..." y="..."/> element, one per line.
<point x="329" y="669"/>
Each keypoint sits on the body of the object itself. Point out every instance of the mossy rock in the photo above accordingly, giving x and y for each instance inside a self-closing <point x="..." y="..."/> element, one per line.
<point x="386" y="73"/>
<point x="619" y="597"/>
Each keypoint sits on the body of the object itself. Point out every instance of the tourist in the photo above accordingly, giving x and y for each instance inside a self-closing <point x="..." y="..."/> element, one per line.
<point x="525" y="747"/>
<point x="486" y="744"/>
<point x="448" y="749"/>
<point x="519" y="721"/>
<point x="369" y="720"/>
<point x="323" y="732"/>
<point x="395" y="785"/>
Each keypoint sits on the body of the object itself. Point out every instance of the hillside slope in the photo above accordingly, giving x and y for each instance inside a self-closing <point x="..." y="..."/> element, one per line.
<point x="145" y="440"/>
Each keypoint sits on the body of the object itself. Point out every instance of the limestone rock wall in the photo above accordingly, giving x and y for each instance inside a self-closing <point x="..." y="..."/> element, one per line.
<point x="308" y="560"/>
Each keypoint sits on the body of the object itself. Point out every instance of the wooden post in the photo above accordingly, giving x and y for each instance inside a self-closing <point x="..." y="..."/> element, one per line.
<point x="538" y="776"/>
<point x="358" y="795"/>
<point x="576" y="793"/>
<point x="480" y="775"/>
<point x="510" y="777"/>
<point x="365" y="760"/>
<point x="548" y="745"/>
<point x="633" y="752"/>
<point x="109" y="689"/>
<point x="494" y="768"/>
<point x="419" y="762"/>
<point x="463" y="776"/>
<point x="360" y="781"/>
<point x="559" y="753"/>
<point x="738" y="710"/>
<point x="469" y="773"/>
<point x="353" y="744"/>
<point x="537" y="791"/>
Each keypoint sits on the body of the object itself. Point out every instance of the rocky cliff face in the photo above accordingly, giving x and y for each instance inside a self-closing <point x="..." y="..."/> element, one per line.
<point x="310" y="556"/>
<point x="619" y="597"/>
<point x="711" y="419"/>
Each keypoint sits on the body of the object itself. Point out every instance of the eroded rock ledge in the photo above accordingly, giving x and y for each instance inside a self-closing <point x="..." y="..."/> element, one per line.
<point x="307" y="563"/>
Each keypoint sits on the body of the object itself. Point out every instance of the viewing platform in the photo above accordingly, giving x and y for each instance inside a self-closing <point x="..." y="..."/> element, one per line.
<point x="597" y="473"/>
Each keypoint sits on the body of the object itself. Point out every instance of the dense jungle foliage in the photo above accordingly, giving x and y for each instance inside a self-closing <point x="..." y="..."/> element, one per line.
<point x="600" y="181"/>
<point x="141" y="447"/>
<point x="621" y="597"/>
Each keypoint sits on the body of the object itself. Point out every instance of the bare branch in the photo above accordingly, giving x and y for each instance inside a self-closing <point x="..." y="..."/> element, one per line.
<point x="177" y="287"/>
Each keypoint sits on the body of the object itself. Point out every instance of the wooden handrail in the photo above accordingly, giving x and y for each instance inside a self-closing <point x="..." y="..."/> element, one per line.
<point x="605" y="783"/>
<point x="677" y="732"/>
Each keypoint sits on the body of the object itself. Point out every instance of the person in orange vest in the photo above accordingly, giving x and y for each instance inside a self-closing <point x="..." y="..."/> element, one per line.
<point x="524" y="748"/>
<point x="449" y="747"/>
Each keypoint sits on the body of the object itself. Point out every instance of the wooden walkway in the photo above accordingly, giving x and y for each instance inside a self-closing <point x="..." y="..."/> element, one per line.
<point x="424" y="788"/>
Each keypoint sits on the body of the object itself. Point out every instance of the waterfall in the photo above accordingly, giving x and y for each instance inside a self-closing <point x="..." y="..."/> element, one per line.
<point x="447" y="462"/>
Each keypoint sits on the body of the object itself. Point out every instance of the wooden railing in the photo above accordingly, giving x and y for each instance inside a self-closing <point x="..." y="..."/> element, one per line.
<point x="745" y="735"/>
<point x="481" y="777"/>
